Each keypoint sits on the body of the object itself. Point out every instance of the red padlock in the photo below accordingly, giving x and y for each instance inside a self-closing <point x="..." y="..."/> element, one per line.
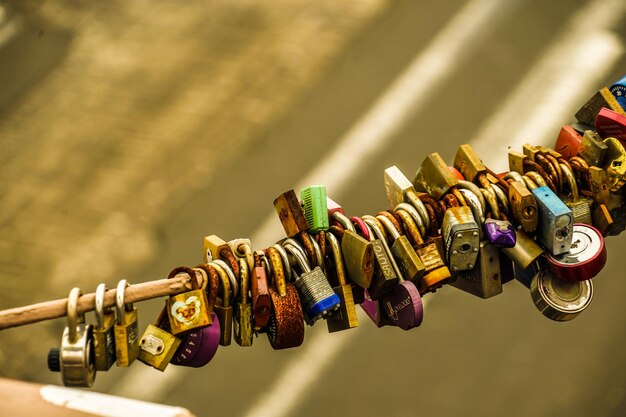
<point x="611" y="124"/>
<point x="568" y="142"/>
<point x="585" y="259"/>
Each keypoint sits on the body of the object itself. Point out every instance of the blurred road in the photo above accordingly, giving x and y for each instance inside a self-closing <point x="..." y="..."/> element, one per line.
<point x="163" y="125"/>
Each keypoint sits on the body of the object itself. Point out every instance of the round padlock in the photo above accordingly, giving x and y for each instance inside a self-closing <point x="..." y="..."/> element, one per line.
<point x="558" y="299"/>
<point x="585" y="259"/>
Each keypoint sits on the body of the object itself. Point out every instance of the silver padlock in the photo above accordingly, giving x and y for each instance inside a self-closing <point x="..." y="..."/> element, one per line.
<point x="461" y="238"/>
<point x="484" y="280"/>
<point x="558" y="299"/>
<point x="317" y="296"/>
<point x="76" y="357"/>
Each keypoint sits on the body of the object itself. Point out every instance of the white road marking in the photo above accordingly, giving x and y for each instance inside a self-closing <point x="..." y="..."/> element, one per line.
<point x="566" y="76"/>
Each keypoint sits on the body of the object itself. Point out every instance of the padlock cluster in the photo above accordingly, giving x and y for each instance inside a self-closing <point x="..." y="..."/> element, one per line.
<point x="542" y="223"/>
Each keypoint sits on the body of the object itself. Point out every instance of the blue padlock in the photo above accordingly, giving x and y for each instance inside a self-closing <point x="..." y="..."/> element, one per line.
<point x="619" y="91"/>
<point x="554" y="230"/>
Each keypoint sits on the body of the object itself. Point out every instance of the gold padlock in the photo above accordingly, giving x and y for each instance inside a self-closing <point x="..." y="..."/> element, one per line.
<point x="157" y="346"/>
<point x="592" y="148"/>
<point x="125" y="328"/>
<point x="523" y="206"/>
<point x="188" y="310"/>
<point x="434" y="177"/>
<point x="615" y="164"/>
<point x="603" y="98"/>
<point x="516" y="162"/>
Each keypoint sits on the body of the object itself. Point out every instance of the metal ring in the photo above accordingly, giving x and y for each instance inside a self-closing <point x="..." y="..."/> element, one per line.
<point x="393" y="231"/>
<point x="318" y="251"/>
<point x="502" y="199"/>
<point x="414" y="215"/>
<point x="285" y="258"/>
<point x="410" y="228"/>
<point x="225" y="281"/>
<point x="474" y="204"/>
<point x="537" y="178"/>
<point x="474" y="189"/>
<point x="336" y="250"/>
<point x="515" y="176"/>
<point x="372" y="222"/>
<point x="343" y="220"/>
<point x="99" y="304"/>
<point x="300" y="258"/>
<point x="571" y="181"/>
<point x="244" y="277"/>
<point x="420" y="207"/>
<point x="231" y="276"/>
<point x="72" y="314"/>
<point x="120" y="307"/>
<point x="529" y="183"/>
<point x="493" y="204"/>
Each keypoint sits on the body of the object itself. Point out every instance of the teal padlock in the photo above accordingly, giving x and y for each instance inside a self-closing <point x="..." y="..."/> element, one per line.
<point x="556" y="221"/>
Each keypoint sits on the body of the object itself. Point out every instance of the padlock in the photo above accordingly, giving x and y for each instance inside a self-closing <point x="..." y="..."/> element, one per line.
<point x="242" y="314"/>
<point x="554" y="230"/>
<point x="188" y="310"/>
<point x="286" y="326"/>
<point x="216" y="248"/>
<point x="474" y="203"/>
<point x="592" y="148"/>
<point x="484" y="280"/>
<point x="603" y="98"/>
<point x="223" y="306"/>
<point x="585" y="259"/>
<point x="345" y="317"/>
<point x="525" y="252"/>
<point x="619" y="92"/>
<point x="568" y="142"/>
<point x="523" y="206"/>
<point x="516" y="162"/>
<point x="399" y="189"/>
<point x="375" y="311"/>
<point x="158" y="346"/>
<point x="411" y="266"/>
<point x="315" y="210"/>
<point x="460" y="234"/>
<point x="530" y="151"/>
<point x="259" y="289"/>
<point x="500" y="233"/>
<point x="384" y="277"/>
<point x="199" y="346"/>
<point x="434" y="177"/>
<point x="403" y="305"/>
<point x="125" y="328"/>
<point x="558" y="299"/>
<point x="468" y="163"/>
<point x="602" y="219"/>
<point x="75" y="359"/>
<point x="103" y="334"/>
<point x="437" y="272"/>
<point x="316" y="295"/>
<point x="580" y="206"/>
<point x="611" y="124"/>
<point x="290" y="213"/>
<point x="358" y="254"/>
<point x="615" y="164"/>
<point x="599" y="182"/>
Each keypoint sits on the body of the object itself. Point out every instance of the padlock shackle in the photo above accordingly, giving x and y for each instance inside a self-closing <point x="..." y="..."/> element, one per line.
<point x="234" y="285"/>
<point x="571" y="181"/>
<point x="285" y="258"/>
<point x="227" y="294"/>
<point x="299" y="256"/>
<point x="120" y="307"/>
<point x="389" y="226"/>
<point x="417" y="218"/>
<point x="278" y="272"/>
<point x="101" y="289"/>
<point x="244" y="280"/>
<point x="338" y="258"/>
<point x="72" y="314"/>
<point x="343" y="220"/>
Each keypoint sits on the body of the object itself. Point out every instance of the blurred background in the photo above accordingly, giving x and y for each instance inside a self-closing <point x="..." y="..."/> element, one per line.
<point x="130" y="130"/>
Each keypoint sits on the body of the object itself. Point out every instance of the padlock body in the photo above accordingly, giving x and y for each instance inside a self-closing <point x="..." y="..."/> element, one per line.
<point x="592" y="148"/>
<point x="523" y="206"/>
<point x="358" y="257"/>
<point x="500" y="233"/>
<point x="581" y="209"/>
<point x="403" y="306"/>
<point x="198" y="346"/>
<point x="516" y="162"/>
<point x="345" y="317"/>
<point x="157" y="347"/>
<point x="434" y="177"/>
<point x="396" y="185"/>
<point x="525" y="252"/>
<point x="468" y="162"/>
<point x="558" y="299"/>
<point x="615" y="164"/>
<point x="188" y="311"/>
<point x="384" y="277"/>
<point x="290" y="213"/>
<point x="104" y="343"/>
<point x="410" y="264"/>
<point x="436" y="272"/>
<point x="127" y="339"/>
<point x="78" y="367"/>
<point x="603" y="98"/>
<point x="568" y="142"/>
<point x="602" y="219"/>
<point x="315" y="209"/>
<point x="286" y="326"/>
<point x="485" y="280"/>
<point x="611" y="124"/>
<point x="316" y="295"/>
<point x="225" y="316"/>
<point x="555" y="221"/>
<point x="261" y="302"/>
<point x="599" y="181"/>
<point x="461" y="236"/>
<point x="242" y="325"/>
<point x="213" y="245"/>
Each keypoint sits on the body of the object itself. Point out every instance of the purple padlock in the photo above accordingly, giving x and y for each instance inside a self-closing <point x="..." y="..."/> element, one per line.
<point x="403" y="305"/>
<point x="500" y="233"/>
<point x="374" y="312"/>
<point x="198" y="346"/>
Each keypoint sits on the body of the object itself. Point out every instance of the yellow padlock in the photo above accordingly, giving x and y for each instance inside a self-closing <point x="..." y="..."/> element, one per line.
<point x="188" y="310"/>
